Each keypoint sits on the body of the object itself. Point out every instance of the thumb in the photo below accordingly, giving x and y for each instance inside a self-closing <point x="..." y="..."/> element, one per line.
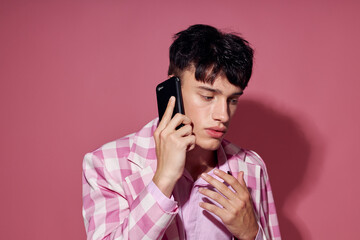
<point x="240" y="178"/>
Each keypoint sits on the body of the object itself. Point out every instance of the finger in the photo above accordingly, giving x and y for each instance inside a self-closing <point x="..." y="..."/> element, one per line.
<point x="190" y="142"/>
<point x="233" y="182"/>
<point x="221" y="187"/>
<point x="241" y="180"/>
<point x="216" y="197"/>
<point x="184" y="131"/>
<point x="168" y="113"/>
<point x="177" y="120"/>
<point x="220" y="212"/>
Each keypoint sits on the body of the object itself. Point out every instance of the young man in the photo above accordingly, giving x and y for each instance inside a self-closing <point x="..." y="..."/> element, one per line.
<point x="186" y="183"/>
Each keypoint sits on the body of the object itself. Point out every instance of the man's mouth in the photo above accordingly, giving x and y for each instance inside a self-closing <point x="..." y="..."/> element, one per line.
<point x="216" y="132"/>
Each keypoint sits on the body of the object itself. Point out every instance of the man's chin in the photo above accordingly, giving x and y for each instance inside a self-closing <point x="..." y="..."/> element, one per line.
<point x="212" y="144"/>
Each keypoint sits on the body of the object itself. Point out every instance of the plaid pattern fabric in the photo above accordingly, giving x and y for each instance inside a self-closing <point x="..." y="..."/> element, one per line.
<point x="117" y="204"/>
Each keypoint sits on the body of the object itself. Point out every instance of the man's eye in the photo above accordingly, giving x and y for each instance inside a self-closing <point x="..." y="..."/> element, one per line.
<point x="234" y="100"/>
<point x="207" y="98"/>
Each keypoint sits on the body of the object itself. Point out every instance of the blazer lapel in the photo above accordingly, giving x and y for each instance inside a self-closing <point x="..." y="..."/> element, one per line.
<point x="239" y="160"/>
<point x="143" y="158"/>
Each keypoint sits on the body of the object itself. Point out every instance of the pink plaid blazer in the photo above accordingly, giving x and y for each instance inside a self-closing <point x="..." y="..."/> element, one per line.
<point x="117" y="205"/>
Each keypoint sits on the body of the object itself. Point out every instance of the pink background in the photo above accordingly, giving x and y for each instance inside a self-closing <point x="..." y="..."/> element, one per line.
<point x="77" y="74"/>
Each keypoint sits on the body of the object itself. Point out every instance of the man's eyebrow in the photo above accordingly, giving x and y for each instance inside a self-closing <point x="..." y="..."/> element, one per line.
<point x="218" y="91"/>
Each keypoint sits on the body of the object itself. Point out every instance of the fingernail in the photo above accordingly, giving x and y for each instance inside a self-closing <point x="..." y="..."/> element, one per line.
<point x="216" y="171"/>
<point x="203" y="175"/>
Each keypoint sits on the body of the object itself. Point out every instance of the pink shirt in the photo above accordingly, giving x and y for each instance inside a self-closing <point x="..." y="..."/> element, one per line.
<point x="197" y="222"/>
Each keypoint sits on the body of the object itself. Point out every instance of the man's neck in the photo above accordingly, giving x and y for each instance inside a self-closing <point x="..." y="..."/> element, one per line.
<point x="199" y="161"/>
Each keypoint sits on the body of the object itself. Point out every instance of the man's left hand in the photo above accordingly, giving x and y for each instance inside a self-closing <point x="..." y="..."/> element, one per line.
<point x="237" y="211"/>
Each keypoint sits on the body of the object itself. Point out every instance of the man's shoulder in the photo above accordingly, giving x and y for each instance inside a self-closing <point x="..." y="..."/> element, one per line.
<point x="118" y="147"/>
<point x="122" y="147"/>
<point x="243" y="154"/>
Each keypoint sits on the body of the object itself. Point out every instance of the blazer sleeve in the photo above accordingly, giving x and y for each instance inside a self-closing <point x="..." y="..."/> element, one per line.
<point x="268" y="216"/>
<point x="265" y="208"/>
<point x="110" y="214"/>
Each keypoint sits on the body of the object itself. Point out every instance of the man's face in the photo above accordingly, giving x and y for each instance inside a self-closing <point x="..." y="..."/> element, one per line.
<point x="210" y="107"/>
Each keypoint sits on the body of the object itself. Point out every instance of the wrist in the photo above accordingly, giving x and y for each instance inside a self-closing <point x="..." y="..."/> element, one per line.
<point x="165" y="184"/>
<point x="251" y="237"/>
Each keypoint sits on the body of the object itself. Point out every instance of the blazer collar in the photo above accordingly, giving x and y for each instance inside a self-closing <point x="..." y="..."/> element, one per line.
<point x="142" y="146"/>
<point x="236" y="157"/>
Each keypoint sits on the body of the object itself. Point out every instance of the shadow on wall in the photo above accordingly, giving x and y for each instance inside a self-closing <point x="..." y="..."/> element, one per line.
<point x="283" y="144"/>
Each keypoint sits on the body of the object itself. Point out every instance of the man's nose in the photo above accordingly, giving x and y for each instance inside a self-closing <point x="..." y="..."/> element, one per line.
<point x="221" y="111"/>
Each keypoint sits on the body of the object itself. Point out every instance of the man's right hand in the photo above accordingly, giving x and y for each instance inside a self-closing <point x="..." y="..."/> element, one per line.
<point x="171" y="148"/>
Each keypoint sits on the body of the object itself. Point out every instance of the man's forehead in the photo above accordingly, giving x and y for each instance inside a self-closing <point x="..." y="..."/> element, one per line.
<point x="188" y="78"/>
<point x="233" y="90"/>
<point x="219" y="85"/>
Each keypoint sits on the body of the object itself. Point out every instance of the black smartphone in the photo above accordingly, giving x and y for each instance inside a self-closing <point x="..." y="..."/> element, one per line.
<point x="166" y="89"/>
